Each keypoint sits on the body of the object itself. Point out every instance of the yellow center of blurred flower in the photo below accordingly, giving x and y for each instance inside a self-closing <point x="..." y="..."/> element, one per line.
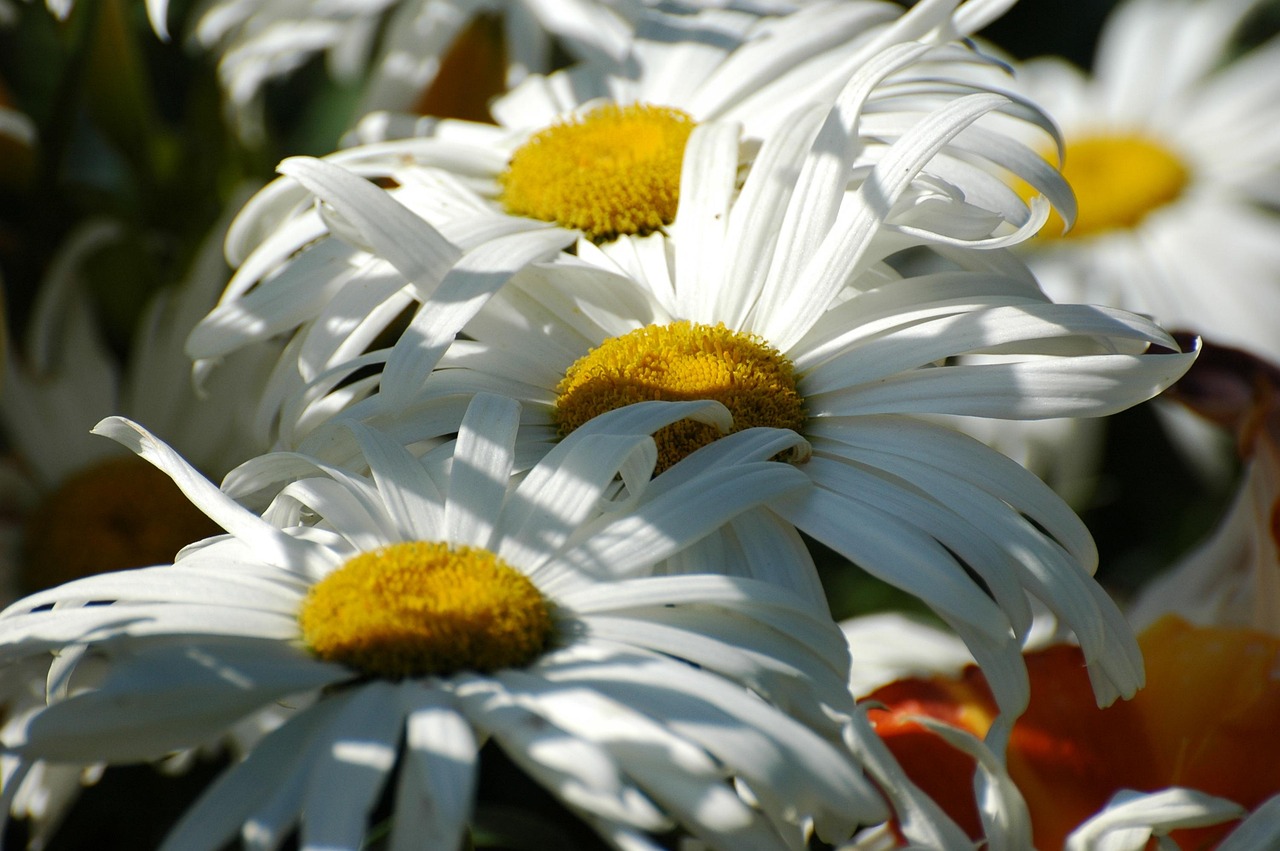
<point x="1118" y="181"/>
<point x="418" y="608"/>
<point x="116" y="514"/>
<point x="680" y="362"/>
<point x="613" y="171"/>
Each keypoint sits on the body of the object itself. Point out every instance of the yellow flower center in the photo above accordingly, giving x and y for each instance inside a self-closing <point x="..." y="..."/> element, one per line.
<point x="418" y="608"/>
<point x="683" y="362"/>
<point x="117" y="514"/>
<point x="1118" y="181"/>
<point x="613" y="171"/>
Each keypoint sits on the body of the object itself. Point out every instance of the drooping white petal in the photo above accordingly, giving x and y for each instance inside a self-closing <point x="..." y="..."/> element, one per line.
<point x="434" y="798"/>
<point x="696" y="793"/>
<point x="347" y="776"/>
<point x="415" y="248"/>
<point x="155" y="701"/>
<point x="574" y="768"/>
<point x="555" y="500"/>
<point x="407" y="492"/>
<point x="272" y="543"/>
<point x="228" y="805"/>
<point x="1130" y="818"/>
<point x="920" y="819"/>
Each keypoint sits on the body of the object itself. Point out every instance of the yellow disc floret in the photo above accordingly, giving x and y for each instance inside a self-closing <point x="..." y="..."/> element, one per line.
<point x="419" y="608"/>
<point x="1118" y="181"/>
<point x="117" y="514"/>
<point x="683" y="361"/>
<point x="615" y="170"/>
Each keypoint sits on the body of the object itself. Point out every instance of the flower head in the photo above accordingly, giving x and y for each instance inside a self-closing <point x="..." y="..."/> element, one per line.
<point x="412" y="611"/>
<point x="73" y="503"/>
<point x="1172" y="171"/>
<point x="595" y="153"/>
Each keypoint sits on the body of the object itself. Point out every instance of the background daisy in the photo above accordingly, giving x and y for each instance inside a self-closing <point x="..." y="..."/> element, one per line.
<point x="75" y="504"/>
<point x="1175" y="171"/>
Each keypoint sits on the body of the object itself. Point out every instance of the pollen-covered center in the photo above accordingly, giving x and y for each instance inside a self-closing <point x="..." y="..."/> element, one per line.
<point x="419" y="608"/>
<point x="613" y="171"/>
<point x="1118" y="181"/>
<point x="683" y="361"/>
<point x="117" y="514"/>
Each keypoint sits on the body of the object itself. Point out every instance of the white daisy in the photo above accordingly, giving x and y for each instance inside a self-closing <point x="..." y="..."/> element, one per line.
<point x="75" y="504"/>
<point x="791" y="281"/>
<point x="446" y="57"/>
<point x="456" y="176"/>
<point x="1171" y="150"/>
<point x="434" y="55"/>
<point x="638" y="701"/>
<point x="60" y="476"/>
<point x="400" y="46"/>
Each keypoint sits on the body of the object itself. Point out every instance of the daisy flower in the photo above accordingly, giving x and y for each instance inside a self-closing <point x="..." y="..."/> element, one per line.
<point x="480" y="183"/>
<point x="518" y="611"/>
<point x="60" y="477"/>
<point x="1171" y="152"/>
<point x="75" y="504"/>
<point x="440" y="57"/>
<point x="782" y="301"/>
<point x="447" y="57"/>
<point x="402" y="47"/>
<point x="336" y="297"/>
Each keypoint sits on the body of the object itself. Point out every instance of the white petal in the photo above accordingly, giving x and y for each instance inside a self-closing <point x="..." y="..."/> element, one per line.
<point x="1130" y="818"/>
<point x="842" y="250"/>
<point x="1005" y="818"/>
<point x="225" y="808"/>
<point x="1260" y="830"/>
<point x="154" y="702"/>
<point x="665" y="524"/>
<point x="437" y="783"/>
<point x="561" y="494"/>
<point x="407" y="492"/>
<point x="481" y="471"/>
<point x="920" y="819"/>
<point x="576" y="770"/>
<point x="707" y="185"/>
<point x="397" y="235"/>
<point x="346" y="778"/>
<point x="678" y="775"/>
<point x="274" y="545"/>
<point x="768" y="749"/>
<point x="461" y="293"/>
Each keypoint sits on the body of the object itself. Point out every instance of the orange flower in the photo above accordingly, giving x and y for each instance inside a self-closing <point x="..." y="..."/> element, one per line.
<point x="1205" y="721"/>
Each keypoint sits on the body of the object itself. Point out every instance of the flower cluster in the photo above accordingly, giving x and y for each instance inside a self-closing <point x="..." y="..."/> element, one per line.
<point x="523" y="439"/>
